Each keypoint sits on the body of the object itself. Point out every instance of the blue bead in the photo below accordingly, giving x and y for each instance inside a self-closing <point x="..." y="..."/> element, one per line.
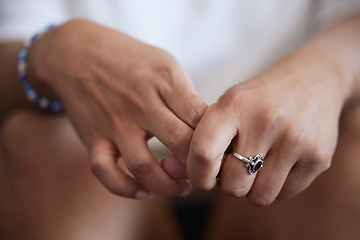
<point x="22" y="78"/>
<point x="30" y="93"/>
<point x="22" y="54"/>
<point x="37" y="99"/>
<point x="28" y="88"/>
<point x="56" y="106"/>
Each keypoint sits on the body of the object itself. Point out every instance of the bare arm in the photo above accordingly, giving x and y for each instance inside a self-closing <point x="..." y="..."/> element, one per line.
<point x="290" y="113"/>
<point x="340" y="46"/>
<point x="118" y="92"/>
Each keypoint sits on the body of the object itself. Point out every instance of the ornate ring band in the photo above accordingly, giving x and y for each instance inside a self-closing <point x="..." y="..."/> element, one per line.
<point x="252" y="163"/>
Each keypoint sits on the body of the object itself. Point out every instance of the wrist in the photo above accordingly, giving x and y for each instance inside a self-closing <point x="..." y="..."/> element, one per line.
<point x="313" y="71"/>
<point x="25" y="70"/>
<point x="38" y="70"/>
<point x="67" y="55"/>
<point x="328" y="69"/>
<point x="340" y="46"/>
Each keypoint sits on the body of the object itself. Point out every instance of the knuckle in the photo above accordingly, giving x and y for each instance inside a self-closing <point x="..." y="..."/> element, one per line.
<point x="319" y="158"/>
<point x="234" y="192"/>
<point x="180" y="136"/>
<point x="293" y="135"/>
<point x="178" y="132"/>
<point x="260" y="200"/>
<point x="202" y="174"/>
<point x="166" y="69"/>
<point x="165" y="72"/>
<point x="97" y="167"/>
<point x="271" y="118"/>
<point x="138" y="165"/>
<point x="232" y="100"/>
<point x="201" y="185"/>
<point x="193" y="113"/>
<point x="204" y="155"/>
<point x="169" y="64"/>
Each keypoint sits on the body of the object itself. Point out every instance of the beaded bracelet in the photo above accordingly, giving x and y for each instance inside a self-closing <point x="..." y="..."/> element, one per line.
<point x="30" y="93"/>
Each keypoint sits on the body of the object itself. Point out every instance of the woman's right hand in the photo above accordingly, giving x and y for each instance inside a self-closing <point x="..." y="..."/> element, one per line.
<point x="118" y="93"/>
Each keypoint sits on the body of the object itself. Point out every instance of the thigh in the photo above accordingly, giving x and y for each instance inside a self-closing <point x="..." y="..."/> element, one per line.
<point x="328" y="209"/>
<point x="48" y="192"/>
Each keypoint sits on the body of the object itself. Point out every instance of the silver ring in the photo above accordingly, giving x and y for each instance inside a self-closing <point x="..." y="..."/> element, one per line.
<point x="252" y="163"/>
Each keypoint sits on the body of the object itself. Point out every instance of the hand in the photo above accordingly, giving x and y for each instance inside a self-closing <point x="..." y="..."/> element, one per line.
<point x="289" y="114"/>
<point x="119" y="92"/>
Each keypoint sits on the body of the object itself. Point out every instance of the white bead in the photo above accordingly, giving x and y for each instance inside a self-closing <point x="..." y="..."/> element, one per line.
<point x="31" y="95"/>
<point x="21" y="67"/>
<point x="43" y="103"/>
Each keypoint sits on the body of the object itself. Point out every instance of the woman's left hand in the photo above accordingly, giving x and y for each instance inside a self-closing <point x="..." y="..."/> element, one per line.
<point x="289" y="114"/>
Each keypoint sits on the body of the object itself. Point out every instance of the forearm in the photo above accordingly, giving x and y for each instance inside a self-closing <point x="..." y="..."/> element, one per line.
<point x="327" y="65"/>
<point x="12" y="96"/>
<point x="340" y="46"/>
<point x="289" y="113"/>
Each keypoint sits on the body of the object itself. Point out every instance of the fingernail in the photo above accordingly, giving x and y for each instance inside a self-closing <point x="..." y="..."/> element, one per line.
<point x="187" y="191"/>
<point x="143" y="194"/>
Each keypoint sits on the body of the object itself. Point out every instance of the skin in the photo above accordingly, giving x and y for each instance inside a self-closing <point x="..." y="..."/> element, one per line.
<point x="328" y="209"/>
<point x="135" y="91"/>
<point x="290" y="114"/>
<point x="296" y="125"/>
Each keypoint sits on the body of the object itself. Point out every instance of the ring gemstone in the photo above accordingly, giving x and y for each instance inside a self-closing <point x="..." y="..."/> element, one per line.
<point x="252" y="163"/>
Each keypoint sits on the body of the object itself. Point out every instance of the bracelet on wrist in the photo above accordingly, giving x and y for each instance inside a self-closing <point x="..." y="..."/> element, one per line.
<point x="31" y="94"/>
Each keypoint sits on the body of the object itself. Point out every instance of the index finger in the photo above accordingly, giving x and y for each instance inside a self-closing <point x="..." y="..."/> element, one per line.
<point x="211" y="138"/>
<point x="104" y="167"/>
<point x="182" y="98"/>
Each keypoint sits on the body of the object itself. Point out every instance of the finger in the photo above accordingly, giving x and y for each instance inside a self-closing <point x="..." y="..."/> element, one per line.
<point x="236" y="179"/>
<point x="211" y="138"/>
<point x="146" y="168"/>
<point x="271" y="178"/>
<point x="103" y="165"/>
<point x="299" y="178"/>
<point x="174" y="168"/>
<point x="170" y="130"/>
<point x="181" y="97"/>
